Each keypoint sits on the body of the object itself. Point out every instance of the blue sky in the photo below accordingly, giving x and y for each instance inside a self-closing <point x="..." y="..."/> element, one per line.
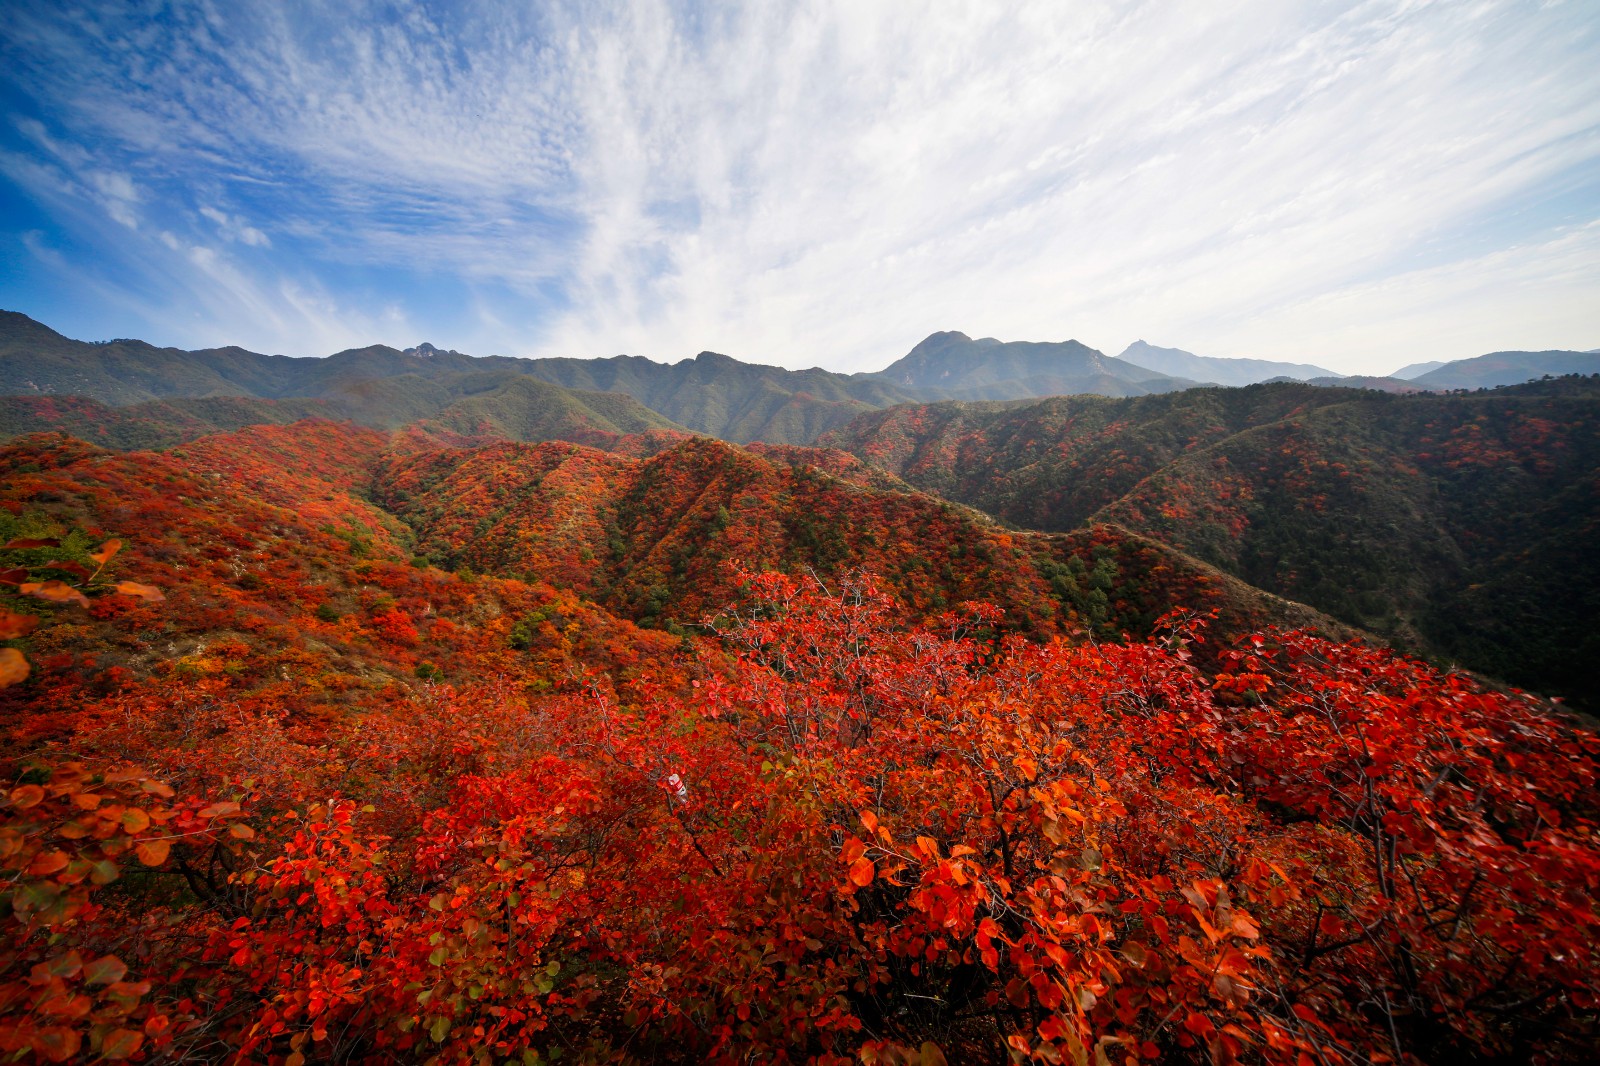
<point x="1360" y="185"/>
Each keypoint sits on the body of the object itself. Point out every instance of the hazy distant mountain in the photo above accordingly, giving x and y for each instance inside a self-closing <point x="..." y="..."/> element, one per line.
<point x="1415" y="370"/>
<point x="1508" y="368"/>
<point x="988" y="369"/>
<point x="1365" y="381"/>
<point x="1181" y="364"/>
<point x="382" y="386"/>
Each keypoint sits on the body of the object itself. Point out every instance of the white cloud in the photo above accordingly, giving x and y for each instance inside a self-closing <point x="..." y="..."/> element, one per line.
<point x="827" y="182"/>
<point x="233" y="228"/>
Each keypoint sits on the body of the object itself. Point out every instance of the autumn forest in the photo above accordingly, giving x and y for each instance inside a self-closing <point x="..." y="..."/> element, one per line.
<point x="1175" y="728"/>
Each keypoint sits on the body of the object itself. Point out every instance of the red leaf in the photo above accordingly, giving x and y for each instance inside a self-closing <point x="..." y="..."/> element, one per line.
<point x="121" y="1043"/>
<point x="153" y="852"/>
<point x="58" y="1043"/>
<point x="862" y="872"/>
<point x="32" y="542"/>
<point x="106" y="970"/>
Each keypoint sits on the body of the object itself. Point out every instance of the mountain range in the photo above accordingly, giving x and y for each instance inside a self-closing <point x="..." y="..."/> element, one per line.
<point x="153" y="391"/>
<point x="1446" y="524"/>
<point x="405" y="705"/>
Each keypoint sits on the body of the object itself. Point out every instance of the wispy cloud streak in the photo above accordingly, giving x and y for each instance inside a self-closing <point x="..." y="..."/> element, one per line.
<point x="825" y="183"/>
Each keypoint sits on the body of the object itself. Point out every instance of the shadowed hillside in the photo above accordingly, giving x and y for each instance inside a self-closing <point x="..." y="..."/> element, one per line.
<point x="1453" y="524"/>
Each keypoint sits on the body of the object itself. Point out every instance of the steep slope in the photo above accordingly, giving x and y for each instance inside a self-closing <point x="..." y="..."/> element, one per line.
<point x="663" y="540"/>
<point x="988" y="369"/>
<point x="1181" y="364"/>
<point x="654" y="538"/>
<point x="1455" y="525"/>
<point x="1051" y="464"/>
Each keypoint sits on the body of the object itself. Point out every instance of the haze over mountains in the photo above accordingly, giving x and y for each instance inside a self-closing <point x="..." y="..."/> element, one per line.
<point x="164" y="394"/>
<point x="1179" y="363"/>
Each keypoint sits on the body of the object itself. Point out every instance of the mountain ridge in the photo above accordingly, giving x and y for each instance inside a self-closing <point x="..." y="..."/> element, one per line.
<point x="1452" y="524"/>
<point x="1214" y="370"/>
<point x="155" y="390"/>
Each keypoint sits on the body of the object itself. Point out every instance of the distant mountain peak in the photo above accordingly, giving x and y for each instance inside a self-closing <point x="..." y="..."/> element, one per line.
<point x="1220" y="371"/>
<point x="428" y="351"/>
<point x="962" y="368"/>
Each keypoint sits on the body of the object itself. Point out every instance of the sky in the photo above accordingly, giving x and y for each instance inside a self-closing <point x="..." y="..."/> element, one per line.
<point x="1358" y="185"/>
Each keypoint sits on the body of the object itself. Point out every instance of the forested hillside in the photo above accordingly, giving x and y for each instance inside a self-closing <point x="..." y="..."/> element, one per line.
<point x="159" y="395"/>
<point x="1456" y="525"/>
<point x="280" y="786"/>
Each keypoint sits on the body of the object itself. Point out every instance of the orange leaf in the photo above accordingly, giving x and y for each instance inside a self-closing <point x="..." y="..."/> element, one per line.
<point x="153" y="852"/>
<point x="54" y="591"/>
<point x="121" y="1043"/>
<point x="13" y="667"/>
<point x="218" y="810"/>
<point x="862" y="872"/>
<point x="25" y="796"/>
<point x="46" y="863"/>
<point x="144" y="592"/>
<point x="135" y="820"/>
<point x="103" y="554"/>
<point x="241" y="832"/>
<point x="13" y="625"/>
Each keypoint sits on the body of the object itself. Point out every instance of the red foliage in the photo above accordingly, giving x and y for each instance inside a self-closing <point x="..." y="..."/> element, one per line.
<point x="846" y="823"/>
